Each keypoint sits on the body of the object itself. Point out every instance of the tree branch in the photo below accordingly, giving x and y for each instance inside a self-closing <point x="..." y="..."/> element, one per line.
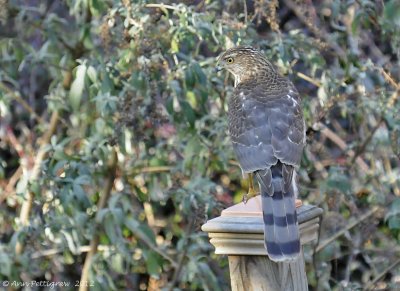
<point x="342" y="145"/>
<point x="162" y="6"/>
<point x="382" y="274"/>
<point x="178" y="269"/>
<point x="82" y="249"/>
<point x="9" y="189"/>
<point x="388" y="78"/>
<point x="318" y="32"/>
<point x="21" y="101"/>
<point x="245" y="11"/>
<point x="309" y="79"/>
<point x="27" y="204"/>
<point x="363" y="217"/>
<point x="112" y="169"/>
<point x="360" y="149"/>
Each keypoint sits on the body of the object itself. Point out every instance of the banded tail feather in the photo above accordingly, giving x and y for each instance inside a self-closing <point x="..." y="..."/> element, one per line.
<point x="281" y="231"/>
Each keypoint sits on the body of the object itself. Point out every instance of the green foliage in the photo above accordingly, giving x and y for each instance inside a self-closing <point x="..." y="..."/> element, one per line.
<point x="137" y="78"/>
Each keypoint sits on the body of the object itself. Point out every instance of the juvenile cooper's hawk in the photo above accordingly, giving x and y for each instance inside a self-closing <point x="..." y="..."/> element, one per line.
<point x="267" y="130"/>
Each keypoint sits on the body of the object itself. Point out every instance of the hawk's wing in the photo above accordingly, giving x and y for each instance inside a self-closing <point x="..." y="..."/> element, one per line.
<point x="267" y="126"/>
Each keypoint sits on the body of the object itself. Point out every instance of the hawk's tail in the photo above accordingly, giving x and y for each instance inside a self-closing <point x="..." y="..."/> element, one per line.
<point x="281" y="231"/>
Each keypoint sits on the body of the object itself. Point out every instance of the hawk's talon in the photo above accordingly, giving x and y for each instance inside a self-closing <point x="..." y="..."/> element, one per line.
<point x="252" y="193"/>
<point x="246" y="197"/>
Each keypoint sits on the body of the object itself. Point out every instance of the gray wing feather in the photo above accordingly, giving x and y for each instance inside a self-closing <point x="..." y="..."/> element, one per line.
<point x="266" y="127"/>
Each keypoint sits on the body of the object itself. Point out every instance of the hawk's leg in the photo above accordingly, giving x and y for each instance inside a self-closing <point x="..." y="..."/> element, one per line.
<point x="252" y="192"/>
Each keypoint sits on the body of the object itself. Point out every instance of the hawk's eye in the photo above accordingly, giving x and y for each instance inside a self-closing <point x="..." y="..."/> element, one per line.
<point x="229" y="60"/>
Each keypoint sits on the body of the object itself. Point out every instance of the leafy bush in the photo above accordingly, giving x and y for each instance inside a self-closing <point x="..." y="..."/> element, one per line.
<point x="114" y="146"/>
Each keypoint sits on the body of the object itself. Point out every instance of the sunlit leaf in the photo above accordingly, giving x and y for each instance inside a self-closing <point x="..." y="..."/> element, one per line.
<point x="76" y="91"/>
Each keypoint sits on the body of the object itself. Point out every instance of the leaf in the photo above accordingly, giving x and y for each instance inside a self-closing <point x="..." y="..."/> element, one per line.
<point x="78" y="5"/>
<point x="356" y="23"/>
<point x="110" y="228"/>
<point x="170" y="105"/>
<point x="208" y="277"/>
<point x="144" y="228"/>
<point x="192" y="149"/>
<point x="141" y="230"/>
<point x="191" y="98"/>
<point x="188" y="112"/>
<point x="69" y="259"/>
<point x="87" y="38"/>
<point x="81" y="219"/>
<point x="153" y="263"/>
<point x="70" y="242"/>
<point x="394" y="222"/>
<point x="76" y="91"/>
<point x="118" y="215"/>
<point x="393" y="216"/>
<point x="58" y="166"/>
<point x="83" y="180"/>
<point x="101" y="215"/>
<point x="200" y="76"/>
<point x="106" y="84"/>
<point x="392" y="12"/>
<point x="80" y="194"/>
<point x="5" y="263"/>
<point x="92" y="74"/>
<point x="43" y="52"/>
<point x="190" y="77"/>
<point x="117" y="263"/>
<point x="338" y="180"/>
<point x="156" y="192"/>
<point x="96" y="7"/>
<point x="174" y="45"/>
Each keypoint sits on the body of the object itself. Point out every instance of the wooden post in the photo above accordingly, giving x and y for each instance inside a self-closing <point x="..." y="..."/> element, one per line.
<point x="239" y="233"/>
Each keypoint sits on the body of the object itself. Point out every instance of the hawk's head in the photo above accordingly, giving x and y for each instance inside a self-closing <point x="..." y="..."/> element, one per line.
<point x="243" y="62"/>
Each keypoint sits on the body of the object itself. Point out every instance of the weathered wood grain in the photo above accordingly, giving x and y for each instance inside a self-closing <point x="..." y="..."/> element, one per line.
<point x="258" y="273"/>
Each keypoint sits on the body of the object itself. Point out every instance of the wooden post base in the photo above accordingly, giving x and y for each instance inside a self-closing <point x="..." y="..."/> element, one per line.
<point x="255" y="273"/>
<point x="239" y="233"/>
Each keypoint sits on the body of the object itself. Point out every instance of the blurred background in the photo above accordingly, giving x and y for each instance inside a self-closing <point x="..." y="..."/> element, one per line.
<point x="114" y="147"/>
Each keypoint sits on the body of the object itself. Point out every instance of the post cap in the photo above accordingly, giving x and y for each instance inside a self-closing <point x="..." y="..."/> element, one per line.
<point x="240" y="228"/>
<point x="252" y="208"/>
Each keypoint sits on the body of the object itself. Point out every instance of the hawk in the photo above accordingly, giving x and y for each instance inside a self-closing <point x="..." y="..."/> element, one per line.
<point x="267" y="130"/>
